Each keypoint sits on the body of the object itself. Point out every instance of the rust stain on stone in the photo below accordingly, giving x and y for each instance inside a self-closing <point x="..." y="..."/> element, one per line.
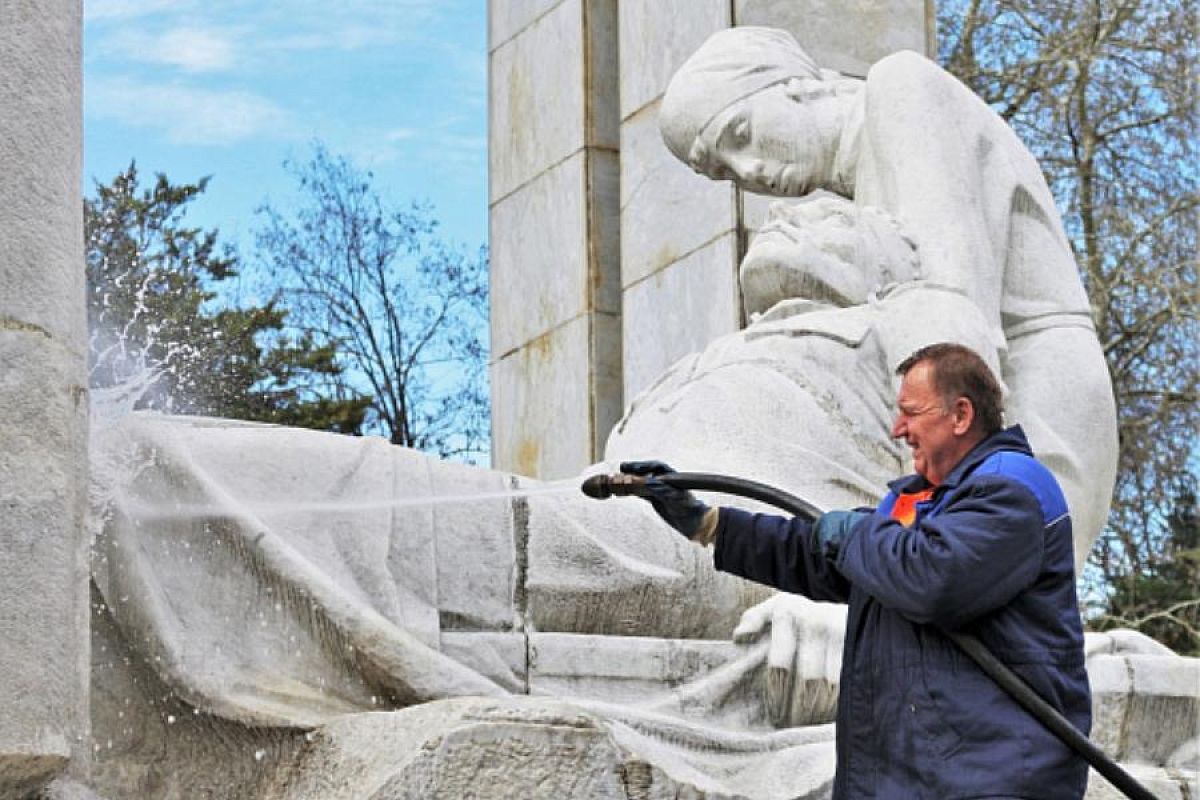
<point x="528" y="452"/>
<point x="520" y="110"/>
<point x="541" y="349"/>
<point x="10" y="324"/>
<point x="664" y="257"/>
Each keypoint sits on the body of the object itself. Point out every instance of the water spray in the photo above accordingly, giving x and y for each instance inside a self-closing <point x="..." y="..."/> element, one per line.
<point x="601" y="487"/>
<point x="150" y="512"/>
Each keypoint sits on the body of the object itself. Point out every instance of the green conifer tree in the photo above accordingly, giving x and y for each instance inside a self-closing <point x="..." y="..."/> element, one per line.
<point x="156" y="324"/>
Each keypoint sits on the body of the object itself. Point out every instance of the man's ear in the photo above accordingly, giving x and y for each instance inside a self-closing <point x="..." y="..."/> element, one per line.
<point x="964" y="415"/>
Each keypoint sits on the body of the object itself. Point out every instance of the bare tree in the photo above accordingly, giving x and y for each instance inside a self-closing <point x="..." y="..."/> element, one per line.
<point x="405" y="311"/>
<point x="1103" y="92"/>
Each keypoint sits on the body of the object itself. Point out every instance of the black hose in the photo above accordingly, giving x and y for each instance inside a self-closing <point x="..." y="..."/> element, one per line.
<point x="600" y="486"/>
<point x="727" y="484"/>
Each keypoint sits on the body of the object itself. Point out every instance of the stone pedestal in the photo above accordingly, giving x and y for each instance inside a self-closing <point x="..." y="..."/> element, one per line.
<point x="43" y="491"/>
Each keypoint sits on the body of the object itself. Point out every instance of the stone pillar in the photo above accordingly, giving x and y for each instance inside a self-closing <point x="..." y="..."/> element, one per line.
<point x="682" y="235"/>
<point x="43" y="396"/>
<point x="555" y="284"/>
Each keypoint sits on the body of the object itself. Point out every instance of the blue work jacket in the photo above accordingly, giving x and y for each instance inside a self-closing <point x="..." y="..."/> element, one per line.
<point x="990" y="554"/>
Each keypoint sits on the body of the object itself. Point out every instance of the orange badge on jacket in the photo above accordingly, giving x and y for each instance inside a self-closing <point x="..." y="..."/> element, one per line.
<point x="904" y="510"/>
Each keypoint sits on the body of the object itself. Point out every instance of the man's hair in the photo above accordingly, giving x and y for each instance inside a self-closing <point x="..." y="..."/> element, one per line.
<point x="959" y="371"/>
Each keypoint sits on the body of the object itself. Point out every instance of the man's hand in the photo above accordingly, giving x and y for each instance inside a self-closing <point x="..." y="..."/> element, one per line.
<point x="679" y="508"/>
<point x="804" y="660"/>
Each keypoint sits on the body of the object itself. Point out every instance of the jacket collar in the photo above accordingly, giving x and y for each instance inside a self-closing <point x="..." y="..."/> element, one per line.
<point x="1008" y="439"/>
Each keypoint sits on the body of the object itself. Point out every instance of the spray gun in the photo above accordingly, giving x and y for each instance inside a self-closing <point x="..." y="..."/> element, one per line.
<point x="600" y="487"/>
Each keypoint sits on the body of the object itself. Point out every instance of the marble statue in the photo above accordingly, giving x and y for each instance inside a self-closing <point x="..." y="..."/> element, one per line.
<point x="260" y="590"/>
<point x="912" y="141"/>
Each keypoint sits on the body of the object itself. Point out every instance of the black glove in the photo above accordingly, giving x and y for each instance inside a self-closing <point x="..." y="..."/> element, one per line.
<point x="679" y="508"/>
<point x="833" y="527"/>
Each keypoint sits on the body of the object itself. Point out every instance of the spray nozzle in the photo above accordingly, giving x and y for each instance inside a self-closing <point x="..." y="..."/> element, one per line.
<point x="599" y="487"/>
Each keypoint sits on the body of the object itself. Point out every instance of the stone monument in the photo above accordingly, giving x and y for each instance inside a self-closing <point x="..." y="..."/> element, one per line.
<point x="263" y="591"/>
<point x="291" y="614"/>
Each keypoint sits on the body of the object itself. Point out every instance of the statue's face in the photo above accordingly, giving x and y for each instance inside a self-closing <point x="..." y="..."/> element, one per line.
<point x="778" y="141"/>
<point x="806" y="249"/>
<point x="823" y="248"/>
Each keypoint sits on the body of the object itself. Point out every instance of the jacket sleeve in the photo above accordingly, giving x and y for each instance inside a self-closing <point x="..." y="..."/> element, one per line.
<point x="972" y="557"/>
<point x="779" y="551"/>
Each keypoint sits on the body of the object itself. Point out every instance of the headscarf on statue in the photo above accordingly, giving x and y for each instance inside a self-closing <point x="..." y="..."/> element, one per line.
<point x="733" y="64"/>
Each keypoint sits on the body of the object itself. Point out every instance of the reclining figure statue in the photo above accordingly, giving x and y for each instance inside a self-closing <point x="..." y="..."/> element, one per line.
<point x="259" y="588"/>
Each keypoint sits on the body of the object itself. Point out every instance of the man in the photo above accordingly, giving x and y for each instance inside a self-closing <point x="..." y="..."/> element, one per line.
<point x="978" y="540"/>
<point x="751" y="106"/>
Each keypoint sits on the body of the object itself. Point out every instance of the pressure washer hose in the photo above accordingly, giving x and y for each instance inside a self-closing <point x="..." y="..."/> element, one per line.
<point x="602" y="486"/>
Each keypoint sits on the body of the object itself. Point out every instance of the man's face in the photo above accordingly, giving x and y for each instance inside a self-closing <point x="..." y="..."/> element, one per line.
<point x="771" y="143"/>
<point x="934" y="432"/>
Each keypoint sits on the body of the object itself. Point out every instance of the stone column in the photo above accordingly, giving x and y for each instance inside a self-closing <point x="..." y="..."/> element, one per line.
<point x="43" y="396"/>
<point x="555" y="371"/>
<point x="682" y="235"/>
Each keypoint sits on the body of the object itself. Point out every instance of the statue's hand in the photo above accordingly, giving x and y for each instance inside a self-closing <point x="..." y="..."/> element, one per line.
<point x="804" y="659"/>
<point x="1123" y="642"/>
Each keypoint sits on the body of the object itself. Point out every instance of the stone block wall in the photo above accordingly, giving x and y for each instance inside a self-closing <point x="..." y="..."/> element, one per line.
<point x="555" y="366"/>
<point x="679" y="231"/>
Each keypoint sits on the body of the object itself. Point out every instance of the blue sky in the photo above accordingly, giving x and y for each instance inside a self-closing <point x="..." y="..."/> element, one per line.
<point x="231" y="89"/>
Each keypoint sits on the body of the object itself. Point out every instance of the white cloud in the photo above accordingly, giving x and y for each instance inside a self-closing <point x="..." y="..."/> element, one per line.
<point x="345" y="38"/>
<point x="216" y="35"/>
<point x="438" y="142"/>
<point x="300" y="25"/>
<point x="463" y="149"/>
<point x="187" y="115"/>
<point x="193" y="49"/>
<point x="127" y="9"/>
